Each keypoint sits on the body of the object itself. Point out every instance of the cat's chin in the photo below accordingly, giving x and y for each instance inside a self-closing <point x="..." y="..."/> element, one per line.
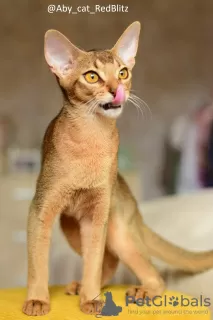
<point x="110" y="111"/>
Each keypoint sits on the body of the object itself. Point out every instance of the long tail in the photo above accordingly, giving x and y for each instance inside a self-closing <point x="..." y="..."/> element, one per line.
<point x="185" y="260"/>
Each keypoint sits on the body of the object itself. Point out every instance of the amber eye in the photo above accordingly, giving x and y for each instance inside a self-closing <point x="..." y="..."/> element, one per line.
<point x="123" y="73"/>
<point x="91" y="77"/>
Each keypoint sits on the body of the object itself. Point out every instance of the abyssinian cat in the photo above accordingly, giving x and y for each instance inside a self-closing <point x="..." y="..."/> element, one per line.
<point x="79" y="181"/>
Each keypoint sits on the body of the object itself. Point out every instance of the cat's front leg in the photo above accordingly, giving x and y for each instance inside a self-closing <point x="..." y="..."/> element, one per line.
<point x="44" y="208"/>
<point x="93" y="237"/>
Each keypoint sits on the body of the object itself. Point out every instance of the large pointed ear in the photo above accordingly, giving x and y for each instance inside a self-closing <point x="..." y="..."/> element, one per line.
<point x="127" y="45"/>
<point x="60" y="53"/>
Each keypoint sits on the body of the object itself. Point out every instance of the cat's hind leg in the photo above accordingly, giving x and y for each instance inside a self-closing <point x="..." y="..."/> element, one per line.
<point x="71" y="229"/>
<point x="125" y="241"/>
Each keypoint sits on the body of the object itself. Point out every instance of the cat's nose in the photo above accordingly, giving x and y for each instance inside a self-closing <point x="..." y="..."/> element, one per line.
<point x="113" y="92"/>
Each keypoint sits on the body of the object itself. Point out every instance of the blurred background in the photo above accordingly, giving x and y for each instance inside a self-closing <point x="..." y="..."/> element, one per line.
<point x="167" y="149"/>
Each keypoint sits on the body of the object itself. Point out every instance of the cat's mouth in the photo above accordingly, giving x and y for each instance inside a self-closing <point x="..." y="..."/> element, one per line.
<point x="108" y="106"/>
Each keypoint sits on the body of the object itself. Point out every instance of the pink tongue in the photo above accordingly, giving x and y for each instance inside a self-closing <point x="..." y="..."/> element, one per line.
<point x="120" y="95"/>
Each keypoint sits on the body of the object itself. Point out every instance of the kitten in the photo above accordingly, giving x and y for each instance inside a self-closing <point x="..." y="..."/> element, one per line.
<point x="79" y="181"/>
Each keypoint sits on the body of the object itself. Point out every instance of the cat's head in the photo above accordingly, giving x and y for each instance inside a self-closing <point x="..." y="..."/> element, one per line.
<point x="97" y="81"/>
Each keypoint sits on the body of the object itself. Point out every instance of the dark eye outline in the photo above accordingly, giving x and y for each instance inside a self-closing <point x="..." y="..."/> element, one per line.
<point x="91" y="71"/>
<point x="127" y="73"/>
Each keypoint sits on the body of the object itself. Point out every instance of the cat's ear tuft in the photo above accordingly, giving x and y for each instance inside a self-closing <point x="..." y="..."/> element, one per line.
<point x="60" y="53"/>
<point x="127" y="45"/>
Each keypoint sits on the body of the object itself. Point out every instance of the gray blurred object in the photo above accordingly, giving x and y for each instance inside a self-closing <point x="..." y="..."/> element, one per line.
<point x="23" y="160"/>
<point x="7" y="134"/>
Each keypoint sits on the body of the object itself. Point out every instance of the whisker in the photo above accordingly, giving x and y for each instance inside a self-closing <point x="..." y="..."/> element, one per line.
<point x="93" y="107"/>
<point x="90" y="108"/>
<point x="137" y="106"/>
<point x="91" y="104"/>
<point x="139" y="100"/>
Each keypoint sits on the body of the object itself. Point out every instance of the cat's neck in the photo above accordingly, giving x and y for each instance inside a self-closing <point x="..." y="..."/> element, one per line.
<point x="87" y="125"/>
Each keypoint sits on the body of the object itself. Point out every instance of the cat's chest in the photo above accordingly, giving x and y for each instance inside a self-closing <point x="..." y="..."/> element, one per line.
<point x="90" y="164"/>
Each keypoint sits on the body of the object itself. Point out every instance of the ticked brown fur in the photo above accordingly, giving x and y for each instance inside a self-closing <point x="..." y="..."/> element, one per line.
<point x="79" y="181"/>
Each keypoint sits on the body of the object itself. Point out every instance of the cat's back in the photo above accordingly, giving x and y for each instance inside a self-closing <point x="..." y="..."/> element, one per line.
<point x="48" y="145"/>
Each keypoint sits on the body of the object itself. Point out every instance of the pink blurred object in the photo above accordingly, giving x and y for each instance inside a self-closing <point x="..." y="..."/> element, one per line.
<point x="120" y="95"/>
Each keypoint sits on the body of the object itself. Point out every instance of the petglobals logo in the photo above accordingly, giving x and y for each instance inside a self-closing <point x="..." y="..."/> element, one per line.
<point x="159" y="301"/>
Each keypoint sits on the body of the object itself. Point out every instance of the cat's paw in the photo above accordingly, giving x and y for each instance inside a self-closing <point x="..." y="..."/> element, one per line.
<point x="92" y="306"/>
<point x="136" y="292"/>
<point x="36" y="308"/>
<point x="150" y="290"/>
<point x="73" y="288"/>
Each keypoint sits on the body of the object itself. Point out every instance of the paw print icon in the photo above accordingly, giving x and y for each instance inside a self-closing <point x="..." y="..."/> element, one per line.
<point x="173" y="301"/>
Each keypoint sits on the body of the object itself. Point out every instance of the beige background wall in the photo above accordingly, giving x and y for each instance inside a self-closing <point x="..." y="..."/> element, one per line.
<point x="174" y="69"/>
